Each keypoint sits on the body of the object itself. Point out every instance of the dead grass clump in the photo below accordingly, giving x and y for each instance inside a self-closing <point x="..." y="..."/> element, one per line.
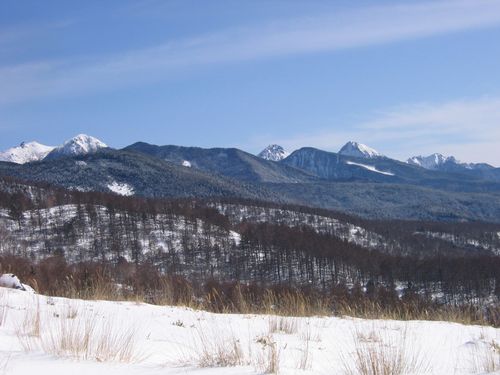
<point x="83" y="336"/>
<point x="305" y="355"/>
<point x="88" y="339"/>
<point x="31" y="324"/>
<point x="374" y="355"/>
<point x="3" y="306"/>
<point x="280" y="324"/>
<point x="486" y="359"/>
<point x="273" y="359"/>
<point x="269" y="360"/>
<point x="216" y="351"/>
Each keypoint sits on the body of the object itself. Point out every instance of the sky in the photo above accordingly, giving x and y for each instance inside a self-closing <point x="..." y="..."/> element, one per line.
<point x="404" y="77"/>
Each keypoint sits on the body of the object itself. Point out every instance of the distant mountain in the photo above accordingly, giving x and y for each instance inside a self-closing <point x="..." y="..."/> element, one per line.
<point x="227" y="162"/>
<point x="440" y="162"/>
<point x="432" y="162"/>
<point x="25" y="153"/>
<point x="340" y="167"/>
<point x="273" y="153"/>
<point x="80" y="145"/>
<point x="369" y="186"/>
<point x="359" y="150"/>
<point x="131" y="173"/>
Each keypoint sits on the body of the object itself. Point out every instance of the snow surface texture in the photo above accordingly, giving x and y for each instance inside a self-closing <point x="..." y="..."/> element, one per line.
<point x="173" y="340"/>
<point x="359" y="150"/>
<point x="273" y="153"/>
<point x="80" y="145"/>
<point x="121" y="188"/>
<point x="370" y="168"/>
<point x="25" y="153"/>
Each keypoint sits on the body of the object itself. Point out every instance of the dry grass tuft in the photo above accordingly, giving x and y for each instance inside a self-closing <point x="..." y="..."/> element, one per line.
<point x="374" y="355"/>
<point x="31" y="324"/>
<point x="273" y="359"/>
<point x="269" y="360"/>
<point x="305" y="356"/>
<point x="3" y="306"/>
<point x="280" y="324"/>
<point x="486" y="359"/>
<point x="214" y="350"/>
<point x="83" y="336"/>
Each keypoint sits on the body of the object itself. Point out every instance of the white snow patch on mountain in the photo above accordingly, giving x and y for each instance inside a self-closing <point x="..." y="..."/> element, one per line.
<point x="121" y="188"/>
<point x="235" y="236"/>
<point x="25" y="153"/>
<point x="186" y="163"/>
<point x="359" y="150"/>
<point x="370" y="168"/>
<point x="273" y="153"/>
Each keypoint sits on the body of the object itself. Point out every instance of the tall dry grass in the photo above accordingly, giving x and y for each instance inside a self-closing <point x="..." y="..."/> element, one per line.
<point x="3" y="306"/>
<point x="30" y="327"/>
<point x="377" y="355"/>
<point x="83" y="335"/>
<point x="282" y="324"/>
<point x="211" y="348"/>
<point x="486" y="358"/>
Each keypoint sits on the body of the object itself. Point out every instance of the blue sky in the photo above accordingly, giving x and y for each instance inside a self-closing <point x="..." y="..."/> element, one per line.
<point x="404" y="77"/>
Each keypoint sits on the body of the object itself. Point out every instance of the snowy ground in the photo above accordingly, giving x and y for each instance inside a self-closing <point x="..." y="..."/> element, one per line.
<point x="41" y="335"/>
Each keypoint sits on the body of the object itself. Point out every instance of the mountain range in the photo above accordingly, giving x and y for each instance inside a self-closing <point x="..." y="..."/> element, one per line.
<point x="81" y="144"/>
<point x="357" y="179"/>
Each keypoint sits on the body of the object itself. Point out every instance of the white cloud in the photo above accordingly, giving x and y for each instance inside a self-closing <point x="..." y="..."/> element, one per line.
<point x="467" y="129"/>
<point x="330" y="32"/>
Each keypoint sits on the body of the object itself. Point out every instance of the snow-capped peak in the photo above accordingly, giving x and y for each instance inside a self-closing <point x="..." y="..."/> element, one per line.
<point x="440" y="162"/>
<point x="26" y="152"/>
<point x="433" y="161"/>
<point x="358" y="150"/>
<point x="274" y="153"/>
<point x="82" y="144"/>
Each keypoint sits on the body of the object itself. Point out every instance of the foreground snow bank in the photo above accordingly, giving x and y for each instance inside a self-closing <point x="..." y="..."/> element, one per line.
<point x="80" y="337"/>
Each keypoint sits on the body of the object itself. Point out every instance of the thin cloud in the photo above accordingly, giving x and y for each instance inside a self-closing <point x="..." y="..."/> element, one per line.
<point x="348" y="29"/>
<point x="467" y="129"/>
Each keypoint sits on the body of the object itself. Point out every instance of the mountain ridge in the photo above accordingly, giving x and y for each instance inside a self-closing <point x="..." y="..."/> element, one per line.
<point x="26" y="152"/>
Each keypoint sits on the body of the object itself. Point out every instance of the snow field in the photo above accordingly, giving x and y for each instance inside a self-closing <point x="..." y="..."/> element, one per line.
<point x="121" y="188"/>
<point x="60" y="335"/>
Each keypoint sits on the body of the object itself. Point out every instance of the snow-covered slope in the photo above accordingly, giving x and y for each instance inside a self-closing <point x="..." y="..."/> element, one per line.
<point x="432" y="162"/>
<point x="25" y="153"/>
<point x="80" y="145"/>
<point x="40" y="335"/>
<point x="274" y="153"/>
<point x="370" y="168"/>
<point x="440" y="162"/>
<point x="359" y="150"/>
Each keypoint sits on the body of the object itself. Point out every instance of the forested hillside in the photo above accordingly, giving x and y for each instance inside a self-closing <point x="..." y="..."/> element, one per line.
<point x="248" y="242"/>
